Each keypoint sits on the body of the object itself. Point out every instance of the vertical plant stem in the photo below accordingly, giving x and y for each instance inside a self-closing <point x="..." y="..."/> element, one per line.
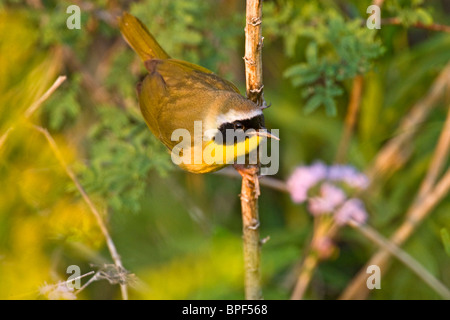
<point x="309" y="265"/>
<point x="250" y="184"/>
<point x="253" y="52"/>
<point x="251" y="242"/>
<point x="325" y="230"/>
<point x="350" y="119"/>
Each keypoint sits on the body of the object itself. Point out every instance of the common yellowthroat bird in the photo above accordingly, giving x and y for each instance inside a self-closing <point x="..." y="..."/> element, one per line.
<point x="176" y="95"/>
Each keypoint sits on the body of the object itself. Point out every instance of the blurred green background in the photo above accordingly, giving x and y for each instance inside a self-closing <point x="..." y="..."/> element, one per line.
<point x="180" y="233"/>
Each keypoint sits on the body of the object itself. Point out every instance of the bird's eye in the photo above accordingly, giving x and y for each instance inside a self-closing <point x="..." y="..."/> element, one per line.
<point x="238" y="125"/>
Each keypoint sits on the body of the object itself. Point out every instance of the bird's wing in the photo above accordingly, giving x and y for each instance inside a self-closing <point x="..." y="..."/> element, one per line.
<point x="176" y="93"/>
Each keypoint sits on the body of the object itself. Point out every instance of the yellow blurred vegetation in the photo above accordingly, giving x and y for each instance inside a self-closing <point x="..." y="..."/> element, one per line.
<point x="36" y="209"/>
<point x="194" y="275"/>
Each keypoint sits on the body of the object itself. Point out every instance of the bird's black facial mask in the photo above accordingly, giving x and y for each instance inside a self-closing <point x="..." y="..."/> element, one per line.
<point x="255" y="123"/>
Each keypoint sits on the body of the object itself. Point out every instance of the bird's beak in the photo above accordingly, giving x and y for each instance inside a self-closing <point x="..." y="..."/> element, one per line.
<point x="264" y="134"/>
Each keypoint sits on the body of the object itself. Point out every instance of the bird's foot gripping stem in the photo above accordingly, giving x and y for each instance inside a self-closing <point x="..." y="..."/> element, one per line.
<point x="249" y="173"/>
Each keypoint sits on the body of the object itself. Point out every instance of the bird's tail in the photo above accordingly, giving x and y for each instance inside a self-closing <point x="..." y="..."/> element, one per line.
<point x="140" y="39"/>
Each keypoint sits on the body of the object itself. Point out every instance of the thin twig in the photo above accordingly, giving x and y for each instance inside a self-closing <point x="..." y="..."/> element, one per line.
<point x="325" y="229"/>
<point x="45" y="96"/>
<point x="250" y="183"/>
<point x="420" y="25"/>
<point x="394" y="154"/>
<point x="29" y="112"/>
<point x="79" y="277"/>
<point x="404" y="257"/>
<point x="109" y="242"/>
<point x="306" y="272"/>
<point x="5" y="136"/>
<point x="350" y="119"/>
<point x="441" y="189"/>
<point x="439" y="159"/>
<point x="426" y="199"/>
<point x="357" y="288"/>
<point x="266" y="181"/>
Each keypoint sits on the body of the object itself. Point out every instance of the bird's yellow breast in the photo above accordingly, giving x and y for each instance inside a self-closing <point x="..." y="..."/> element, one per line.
<point x="216" y="156"/>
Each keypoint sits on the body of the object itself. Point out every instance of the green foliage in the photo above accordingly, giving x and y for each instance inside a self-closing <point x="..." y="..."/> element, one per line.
<point x="337" y="49"/>
<point x="446" y="240"/>
<point x="64" y="107"/>
<point x="192" y="30"/>
<point x="122" y="153"/>
<point x="409" y="12"/>
<point x="54" y="28"/>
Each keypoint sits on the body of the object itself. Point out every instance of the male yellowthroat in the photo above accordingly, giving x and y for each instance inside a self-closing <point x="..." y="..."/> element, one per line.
<point x="176" y="95"/>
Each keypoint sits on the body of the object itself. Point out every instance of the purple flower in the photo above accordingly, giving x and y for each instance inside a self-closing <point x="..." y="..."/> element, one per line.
<point x="330" y="197"/>
<point x="318" y="206"/>
<point x="334" y="195"/>
<point x="303" y="178"/>
<point x="348" y="175"/>
<point x="352" y="209"/>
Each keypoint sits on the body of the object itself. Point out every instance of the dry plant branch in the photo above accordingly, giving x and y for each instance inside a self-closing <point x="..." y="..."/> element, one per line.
<point x="267" y="181"/>
<point x="109" y="242"/>
<point x="357" y="288"/>
<point x="394" y="154"/>
<point x="350" y="119"/>
<point x="441" y="189"/>
<point x="324" y="229"/>
<point x="306" y="273"/>
<point x="250" y="183"/>
<point x="439" y="159"/>
<point x="32" y="109"/>
<point x="404" y="257"/>
<point x="426" y="199"/>
<point x="45" y="96"/>
<point x="419" y="25"/>
<point x="397" y="21"/>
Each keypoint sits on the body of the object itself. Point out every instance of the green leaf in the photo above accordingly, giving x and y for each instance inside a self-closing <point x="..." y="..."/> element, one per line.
<point x="330" y="106"/>
<point x="313" y="103"/>
<point x="311" y="54"/>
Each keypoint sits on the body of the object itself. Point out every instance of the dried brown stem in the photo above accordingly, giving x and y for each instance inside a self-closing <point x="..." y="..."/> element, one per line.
<point x="438" y="161"/>
<point x="404" y="257"/>
<point x="395" y="153"/>
<point x="250" y="183"/>
<point x="267" y="181"/>
<point x="109" y="242"/>
<point x="387" y="246"/>
<point x="431" y="27"/>
<point x="250" y="229"/>
<point x="45" y="96"/>
<point x="426" y="199"/>
<point x="29" y="112"/>
<point x="350" y="119"/>
<point x="324" y="229"/>
<point x="306" y="272"/>
<point x="253" y="52"/>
